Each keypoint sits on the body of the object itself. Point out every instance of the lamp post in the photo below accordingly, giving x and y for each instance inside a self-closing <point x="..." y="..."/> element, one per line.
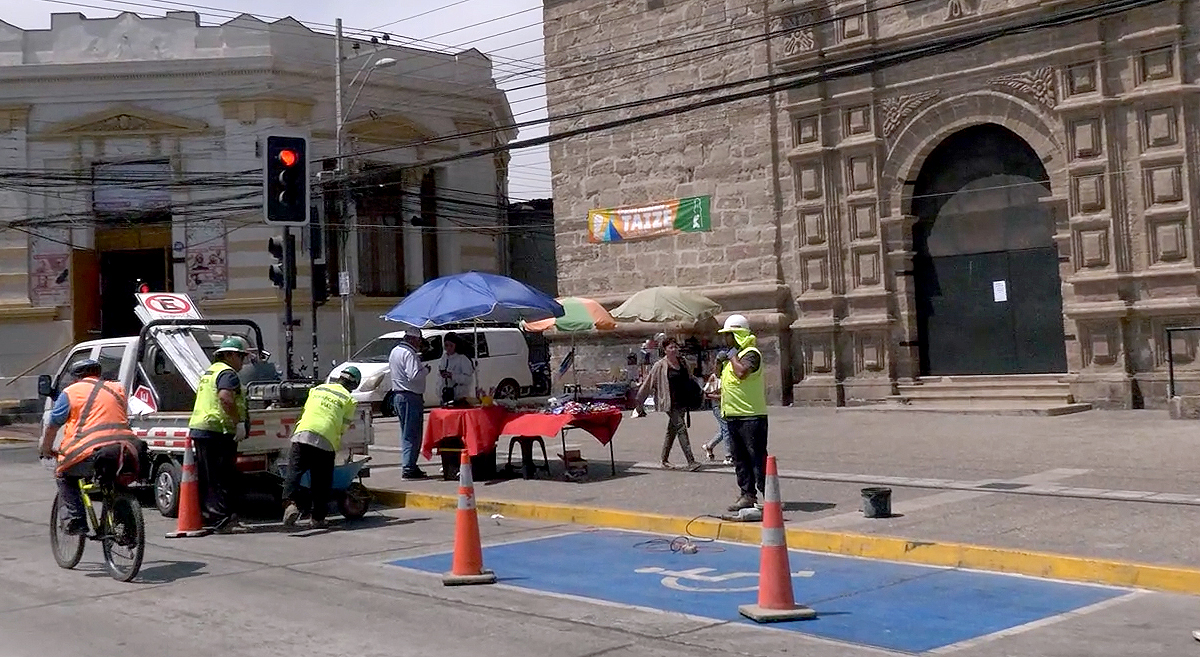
<point x="348" y="254"/>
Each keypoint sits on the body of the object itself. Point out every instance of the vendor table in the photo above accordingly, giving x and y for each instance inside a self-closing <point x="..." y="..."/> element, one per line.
<point x="481" y="428"/>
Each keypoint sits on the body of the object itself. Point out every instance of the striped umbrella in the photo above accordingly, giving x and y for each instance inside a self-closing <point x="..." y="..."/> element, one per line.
<point x="581" y="315"/>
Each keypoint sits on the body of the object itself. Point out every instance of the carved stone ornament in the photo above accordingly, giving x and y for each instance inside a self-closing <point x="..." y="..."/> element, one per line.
<point x="957" y="9"/>
<point x="123" y="122"/>
<point x="1039" y="84"/>
<point x="898" y="108"/>
<point x="799" y="35"/>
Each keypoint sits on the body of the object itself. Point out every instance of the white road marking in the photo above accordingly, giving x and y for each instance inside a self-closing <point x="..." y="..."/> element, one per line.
<point x="1040" y="623"/>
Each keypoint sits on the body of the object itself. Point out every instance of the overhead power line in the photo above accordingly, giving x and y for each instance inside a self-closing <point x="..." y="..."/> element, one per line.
<point x="823" y="72"/>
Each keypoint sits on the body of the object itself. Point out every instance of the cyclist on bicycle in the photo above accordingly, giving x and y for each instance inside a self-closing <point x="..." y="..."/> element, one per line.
<point x="94" y="416"/>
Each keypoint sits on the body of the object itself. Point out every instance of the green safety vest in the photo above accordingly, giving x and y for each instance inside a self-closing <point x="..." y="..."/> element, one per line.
<point x="207" y="414"/>
<point x="743" y="397"/>
<point x="328" y="412"/>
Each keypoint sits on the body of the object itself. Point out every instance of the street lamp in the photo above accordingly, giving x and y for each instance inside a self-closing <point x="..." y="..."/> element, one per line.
<point x="349" y="251"/>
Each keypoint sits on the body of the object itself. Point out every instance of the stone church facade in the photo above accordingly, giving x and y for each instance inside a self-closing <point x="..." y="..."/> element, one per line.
<point x="1024" y="206"/>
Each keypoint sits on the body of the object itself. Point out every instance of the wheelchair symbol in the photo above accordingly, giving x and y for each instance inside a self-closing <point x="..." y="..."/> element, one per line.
<point x="671" y="579"/>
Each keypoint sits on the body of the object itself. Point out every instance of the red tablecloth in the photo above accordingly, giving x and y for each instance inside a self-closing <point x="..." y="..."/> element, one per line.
<point x="481" y="428"/>
<point x="602" y="425"/>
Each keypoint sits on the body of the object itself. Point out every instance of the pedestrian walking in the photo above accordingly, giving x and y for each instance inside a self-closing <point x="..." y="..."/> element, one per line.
<point x="744" y="406"/>
<point x="218" y="423"/>
<point x="712" y="392"/>
<point x="670" y="381"/>
<point x="408" y="385"/>
<point x="328" y="412"/>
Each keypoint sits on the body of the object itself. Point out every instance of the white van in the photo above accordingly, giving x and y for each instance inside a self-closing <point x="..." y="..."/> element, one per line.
<point x="501" y="360"/>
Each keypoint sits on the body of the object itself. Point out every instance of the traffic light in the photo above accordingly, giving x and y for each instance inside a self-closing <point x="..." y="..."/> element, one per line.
<point x="283" y="271"/>
<point x="141" y="288"/>
<point x="285" y="181"/>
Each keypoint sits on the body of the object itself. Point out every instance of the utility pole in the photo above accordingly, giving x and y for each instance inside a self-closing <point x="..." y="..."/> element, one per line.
<point x="347" y="255"/>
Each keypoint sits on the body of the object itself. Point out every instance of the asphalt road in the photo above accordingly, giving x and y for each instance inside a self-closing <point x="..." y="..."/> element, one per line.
<point x="332" y="592"/>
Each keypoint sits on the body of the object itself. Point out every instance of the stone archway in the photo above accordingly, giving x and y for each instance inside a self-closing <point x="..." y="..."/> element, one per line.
<point x="986" y="271"/>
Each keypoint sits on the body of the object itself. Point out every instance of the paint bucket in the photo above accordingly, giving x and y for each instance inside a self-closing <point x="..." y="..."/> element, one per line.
<point x="877" y="502"/>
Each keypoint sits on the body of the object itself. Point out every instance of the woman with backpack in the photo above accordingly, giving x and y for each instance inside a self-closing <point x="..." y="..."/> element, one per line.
<point x="675" y="393"/>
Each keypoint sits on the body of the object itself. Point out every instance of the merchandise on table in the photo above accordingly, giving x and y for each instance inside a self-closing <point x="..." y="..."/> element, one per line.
<point x="581" y="408"/>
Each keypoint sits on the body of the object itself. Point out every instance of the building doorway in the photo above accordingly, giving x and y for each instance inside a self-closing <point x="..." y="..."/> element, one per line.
<point x="988" y="292"/>
<point x="127" y="255"/>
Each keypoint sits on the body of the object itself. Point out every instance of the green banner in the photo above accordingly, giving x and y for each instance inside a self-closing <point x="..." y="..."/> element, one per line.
<point x="684" y="215"/>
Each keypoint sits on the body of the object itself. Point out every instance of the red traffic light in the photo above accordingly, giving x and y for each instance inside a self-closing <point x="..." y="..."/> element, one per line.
<point x="144" y="289"/>
<point x="288" y="157"/>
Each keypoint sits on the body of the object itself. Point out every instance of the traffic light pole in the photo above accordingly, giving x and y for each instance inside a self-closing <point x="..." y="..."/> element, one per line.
<point x="289" y="266"/>
<point x="312" y="268"/>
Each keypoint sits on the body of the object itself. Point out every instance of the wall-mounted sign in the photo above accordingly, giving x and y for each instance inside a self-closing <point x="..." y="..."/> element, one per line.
<point x="684" y="215"/>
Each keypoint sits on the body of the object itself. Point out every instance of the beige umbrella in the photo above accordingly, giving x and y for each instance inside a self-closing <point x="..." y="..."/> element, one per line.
<point x="666" y="304"/>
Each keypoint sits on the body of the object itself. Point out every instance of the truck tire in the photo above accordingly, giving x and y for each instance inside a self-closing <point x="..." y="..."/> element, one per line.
<point x="166" y="488"/>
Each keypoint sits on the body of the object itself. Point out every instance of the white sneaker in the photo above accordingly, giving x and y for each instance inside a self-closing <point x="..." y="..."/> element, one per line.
<point x="1196" y="634"/>
<point x="708" y="453"/>
<point x="291" y="515"/>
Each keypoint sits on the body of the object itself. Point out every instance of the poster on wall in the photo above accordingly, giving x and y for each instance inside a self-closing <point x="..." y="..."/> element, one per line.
<point x="684" y="215"/>
<point x="50" y="267"/>
<point x="207" y="260"/>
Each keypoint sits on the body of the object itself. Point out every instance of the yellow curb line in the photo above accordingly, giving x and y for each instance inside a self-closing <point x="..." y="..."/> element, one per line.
<point x="1171" y="579"/>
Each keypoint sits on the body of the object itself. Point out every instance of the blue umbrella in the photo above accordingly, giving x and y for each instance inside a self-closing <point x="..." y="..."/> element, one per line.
<point x="473" y="296"/>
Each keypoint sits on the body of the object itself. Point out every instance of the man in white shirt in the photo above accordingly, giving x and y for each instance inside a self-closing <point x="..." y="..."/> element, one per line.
<point x="408" y="384"/>
<point x="456" y="370"/>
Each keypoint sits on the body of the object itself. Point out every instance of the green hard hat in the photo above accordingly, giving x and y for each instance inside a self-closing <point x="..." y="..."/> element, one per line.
<point x="350" y="377"/>
<point x="235" y="344"/>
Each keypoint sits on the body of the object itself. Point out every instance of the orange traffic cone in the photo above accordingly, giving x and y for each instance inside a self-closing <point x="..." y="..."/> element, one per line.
<point x="467" y="567"/>
<point x="189" y="523"/>
<point x="775" y="601"/>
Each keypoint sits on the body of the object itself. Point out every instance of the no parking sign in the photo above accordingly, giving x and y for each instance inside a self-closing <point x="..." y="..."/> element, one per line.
<point x="163" y="305"/>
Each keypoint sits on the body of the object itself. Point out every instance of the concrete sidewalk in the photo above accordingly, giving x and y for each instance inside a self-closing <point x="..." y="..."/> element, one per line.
<point x="1111" y="491"/>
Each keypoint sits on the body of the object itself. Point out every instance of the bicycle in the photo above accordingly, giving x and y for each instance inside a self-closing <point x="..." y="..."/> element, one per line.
<point x="119" y="527"/>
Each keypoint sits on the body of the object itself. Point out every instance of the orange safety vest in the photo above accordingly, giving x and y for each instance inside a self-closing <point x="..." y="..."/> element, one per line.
<point x="98" y="417"/>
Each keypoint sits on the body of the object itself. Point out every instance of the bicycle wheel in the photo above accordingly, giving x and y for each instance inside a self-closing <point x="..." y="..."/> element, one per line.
<point x="68" y="549"/>
<point x="125" y="538"/>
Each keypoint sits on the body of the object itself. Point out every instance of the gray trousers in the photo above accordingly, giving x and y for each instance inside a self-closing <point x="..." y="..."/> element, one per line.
<point x="677" y="430"/>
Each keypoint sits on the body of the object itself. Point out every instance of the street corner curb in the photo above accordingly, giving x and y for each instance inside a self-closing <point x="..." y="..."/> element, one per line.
<point x="1108" y="572"/>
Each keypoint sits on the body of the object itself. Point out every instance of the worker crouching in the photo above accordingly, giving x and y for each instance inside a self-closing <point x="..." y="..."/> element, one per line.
<point x="327" y="414"/>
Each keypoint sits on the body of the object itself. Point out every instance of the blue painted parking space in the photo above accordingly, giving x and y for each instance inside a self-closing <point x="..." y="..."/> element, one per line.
<point x="888" y="605"/>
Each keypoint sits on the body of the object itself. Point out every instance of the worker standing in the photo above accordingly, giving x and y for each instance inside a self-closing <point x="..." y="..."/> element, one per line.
<point x="327" y="414"/>
<point x="218" y="423"/>
<point x="744" y="407"/>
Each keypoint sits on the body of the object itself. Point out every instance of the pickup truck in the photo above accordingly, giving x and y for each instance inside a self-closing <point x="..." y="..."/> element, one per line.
<point x="160" y="369"/>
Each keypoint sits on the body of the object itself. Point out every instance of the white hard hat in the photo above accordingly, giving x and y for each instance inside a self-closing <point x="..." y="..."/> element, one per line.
<point x="735" y="323"/>
<point x="412" y="333"/>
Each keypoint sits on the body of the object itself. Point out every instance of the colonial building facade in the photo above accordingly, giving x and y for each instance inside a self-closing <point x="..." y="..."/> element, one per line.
<point x="130" y="148"/>
<point x="1025" y="206"/>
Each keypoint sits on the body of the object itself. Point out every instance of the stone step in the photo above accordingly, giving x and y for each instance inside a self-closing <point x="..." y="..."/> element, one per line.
<point x="986" y="388"/>
<point x="970" y="408"/>
<point x="995" y="396"/>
